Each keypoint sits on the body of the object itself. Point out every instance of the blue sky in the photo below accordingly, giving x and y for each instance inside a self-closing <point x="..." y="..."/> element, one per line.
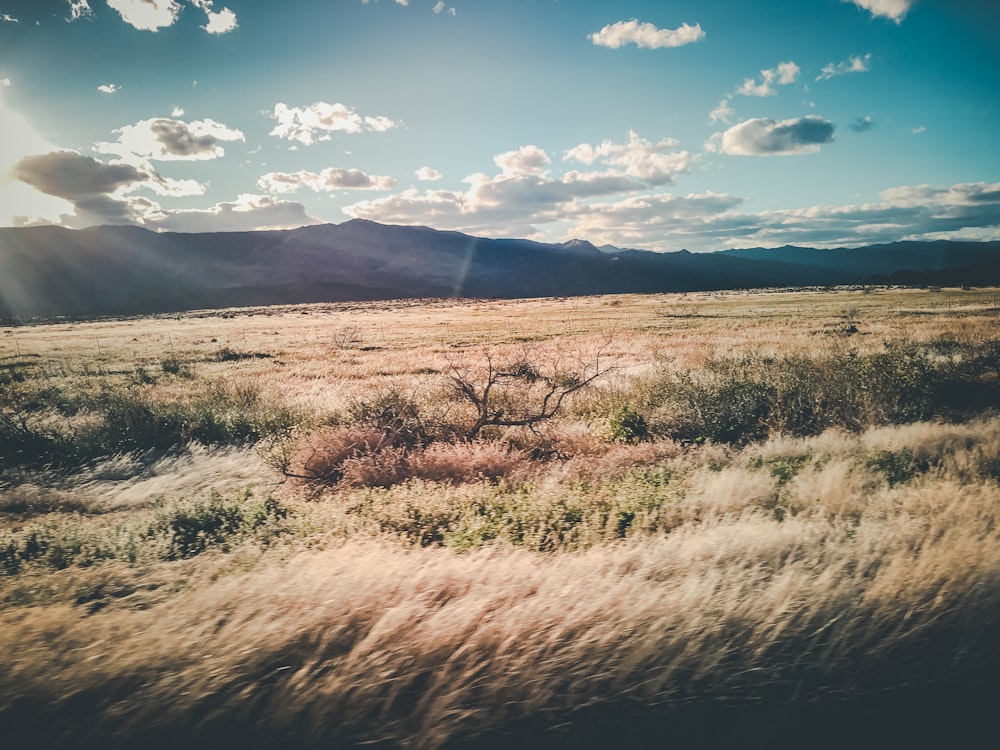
<point x="659" y="125"/>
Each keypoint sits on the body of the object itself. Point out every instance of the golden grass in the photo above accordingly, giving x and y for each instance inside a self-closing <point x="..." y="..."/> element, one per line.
<point x="486" y="596"/>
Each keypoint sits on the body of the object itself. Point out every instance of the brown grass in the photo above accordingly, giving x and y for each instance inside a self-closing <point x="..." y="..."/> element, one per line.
<point x="556" y="587"/>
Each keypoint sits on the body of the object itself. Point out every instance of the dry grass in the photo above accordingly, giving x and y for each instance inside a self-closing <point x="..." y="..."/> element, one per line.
<point x="560" y="587"/>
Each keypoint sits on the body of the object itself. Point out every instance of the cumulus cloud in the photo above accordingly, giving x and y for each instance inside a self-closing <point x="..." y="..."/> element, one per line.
<point x="99" y="192"/>
<point x="79" y="9"/>
<point x="894" y="10"/>
<point x="653" y="163"/>
<point x="317" y="121"/>
<point x="722" y="113"/>
<point x="907" y="212"/>
<point x="646" y="35"/>
<point x="426" y="174"/>
<point x="20" y="203"/>
<point x="855" y="64"/>
<point x="147" y="15"/>
<point x="220" y="22"/>
<point x="783" y="74"/>
<point x="177" y="111"/>
<point x="862" y="124"/>
<point x="525" y="160"/>
<point x="109" y="88"/>
<point x="103" y="193"/>
<point x="70" y="175"/>
<point x="328" y="180"/>
<point x="714" y="221"/>
<point x="247" y="213"/>
<point x="164" y="139"/>
<point x="766" y="137"/>
<point x="524" y="195"/>
<point x="646" y="220"/>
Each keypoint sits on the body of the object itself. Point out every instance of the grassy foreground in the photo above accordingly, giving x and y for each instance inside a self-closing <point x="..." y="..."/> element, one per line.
<point x="754" y="520"/>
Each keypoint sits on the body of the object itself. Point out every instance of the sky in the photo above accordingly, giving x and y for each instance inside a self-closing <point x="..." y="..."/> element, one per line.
<point x="653" y="124"/>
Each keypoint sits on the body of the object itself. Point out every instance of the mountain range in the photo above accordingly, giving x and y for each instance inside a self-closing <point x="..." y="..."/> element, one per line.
<point x="125" y="270"/>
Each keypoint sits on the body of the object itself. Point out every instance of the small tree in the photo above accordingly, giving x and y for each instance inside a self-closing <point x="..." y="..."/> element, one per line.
<point x="521" y="390"/>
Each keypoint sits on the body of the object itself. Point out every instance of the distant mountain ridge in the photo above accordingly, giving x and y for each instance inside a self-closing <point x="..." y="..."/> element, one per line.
<point x="48" y="271"/>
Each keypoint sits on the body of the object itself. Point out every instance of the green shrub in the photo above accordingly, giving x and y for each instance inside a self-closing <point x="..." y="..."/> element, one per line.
<point x="626" y="425"/>
<point x="178" y="532"/>
<point x="747" y="399"/>
<point x="216" y="522"/>
<point x="897" y="466"/>
<point x="36" y="429"/>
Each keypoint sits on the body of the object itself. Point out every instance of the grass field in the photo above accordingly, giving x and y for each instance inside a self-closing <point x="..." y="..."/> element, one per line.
<point x="761" y="519"/>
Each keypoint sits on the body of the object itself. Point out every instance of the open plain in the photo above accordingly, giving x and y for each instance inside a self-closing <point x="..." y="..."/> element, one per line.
<point x="736" y="518"/>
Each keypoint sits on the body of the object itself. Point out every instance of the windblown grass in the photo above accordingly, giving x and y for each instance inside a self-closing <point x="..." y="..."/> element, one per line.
<point x="757" y="529"/>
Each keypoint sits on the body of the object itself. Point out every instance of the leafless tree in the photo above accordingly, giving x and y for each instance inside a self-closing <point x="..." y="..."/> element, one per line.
<point x="521" y="390"/>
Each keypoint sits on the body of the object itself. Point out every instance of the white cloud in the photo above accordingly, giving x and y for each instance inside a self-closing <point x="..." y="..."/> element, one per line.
<point x="426" y="174"/>
<point x="524" y="196"/>
<point x="722" y="113"/>
<point x="220" y="22"/>
<point x="109" y="88"/>
<point x="918" y="130"/>
<point x="653" y="163"/>
<point x="247" y="213"/>
<point x="439" y="6"/>
<point x="854" y="64"/>
<point x="302" y="124"/>
<point x="329" y="180"/>
<point x="147" y="15"/>
<point x="894" y="10"/>
<point x="646" y="35"/>
<point x="525" y="160"/>
<point x="79" y="9"/>
<point x="713" y="221"/>
<point x="10" y="19"/>
<point x="171" y="140"/>
<point x="177" y="111"/>
<point x="648" y="220"/>
<point x="783" y="74"/>
<point x="766" y="137"/>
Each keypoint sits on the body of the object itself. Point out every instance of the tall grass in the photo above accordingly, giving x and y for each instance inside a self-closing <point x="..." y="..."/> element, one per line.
<point x="746" y="398"/>
<point x="753" y="531"/>
<point x="43" y="424"/>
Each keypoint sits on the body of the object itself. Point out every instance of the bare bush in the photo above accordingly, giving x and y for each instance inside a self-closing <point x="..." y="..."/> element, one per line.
<point x="520" y="390"/>
<point x="321" y="455"/>
<point x="463" y="462"/>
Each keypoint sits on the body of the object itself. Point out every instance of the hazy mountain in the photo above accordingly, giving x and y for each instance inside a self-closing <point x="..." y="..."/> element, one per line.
<point x="126" y="270"/>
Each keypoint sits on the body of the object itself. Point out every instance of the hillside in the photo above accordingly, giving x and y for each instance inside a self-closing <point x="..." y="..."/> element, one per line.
<point x="47" y="271"/>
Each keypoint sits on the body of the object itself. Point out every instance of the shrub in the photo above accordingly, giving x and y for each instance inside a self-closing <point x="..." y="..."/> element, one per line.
<point x="747" y="399"/>
<point x="321" y="455"/>
<point x="184" y="530"/>
<point x="216" y="522"/>
<point x="627" y="425"/>
<point x="393" y="413"/>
